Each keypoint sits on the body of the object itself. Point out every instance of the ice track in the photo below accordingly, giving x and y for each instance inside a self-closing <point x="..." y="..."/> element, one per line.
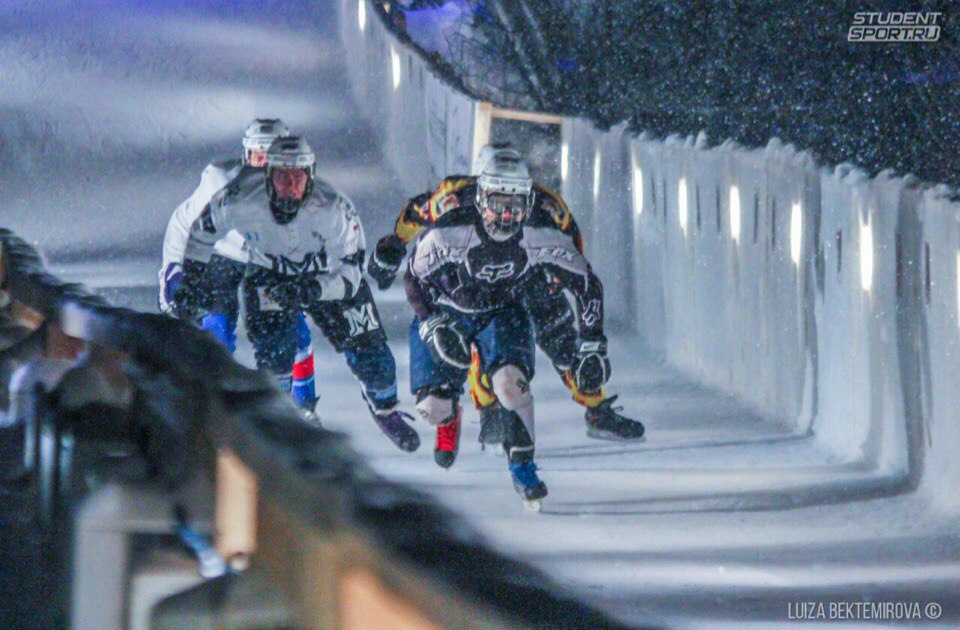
<point x="718" y="515"/>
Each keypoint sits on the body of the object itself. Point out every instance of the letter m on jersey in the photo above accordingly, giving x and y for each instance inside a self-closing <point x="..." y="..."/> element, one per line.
<point x="362" y="319"/>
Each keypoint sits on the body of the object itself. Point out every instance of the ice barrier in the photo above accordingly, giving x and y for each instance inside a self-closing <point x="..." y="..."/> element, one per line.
<point x="426" y="127"/>
<point x="825" y="298"/>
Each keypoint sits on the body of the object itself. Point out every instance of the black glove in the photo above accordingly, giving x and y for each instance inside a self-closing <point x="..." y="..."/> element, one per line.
<point x="447" y="344"/>
<point x="186" y="299"/>
<point x="385" y="262"/>
<point x="591" y="367"/>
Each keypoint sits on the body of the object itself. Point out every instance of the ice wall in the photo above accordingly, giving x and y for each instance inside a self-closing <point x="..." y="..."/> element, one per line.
<point x="825" y="298"/>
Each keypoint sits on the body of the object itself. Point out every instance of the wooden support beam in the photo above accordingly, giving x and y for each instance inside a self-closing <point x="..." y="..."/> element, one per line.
<point x="483" y="116"/>
<point x="516" y="114"/>
<point x="481" y="131"/>
<point x="235" y="511"/>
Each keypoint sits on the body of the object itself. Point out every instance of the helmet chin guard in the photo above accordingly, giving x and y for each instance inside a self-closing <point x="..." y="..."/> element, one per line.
<point x="289" y="152"/>
<point x="504" y="194"/>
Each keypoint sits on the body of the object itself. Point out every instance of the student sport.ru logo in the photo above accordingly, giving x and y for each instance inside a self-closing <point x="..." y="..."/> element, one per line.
<point x="895" y="26"/>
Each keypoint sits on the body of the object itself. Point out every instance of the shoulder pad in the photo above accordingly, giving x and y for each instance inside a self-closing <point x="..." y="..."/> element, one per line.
<point x="420" y="204"/>
<point x="228" y="195"/>
<point x="461" y="215"/>
<point x="553" y="205"/>
<point x="449" y="195"/>
<point x="226" y="165"/>
<point x="324" y="190"/>
<point x="246" y="180"/>
<point x="549" y="245"/>
<point x="440" y="245"/>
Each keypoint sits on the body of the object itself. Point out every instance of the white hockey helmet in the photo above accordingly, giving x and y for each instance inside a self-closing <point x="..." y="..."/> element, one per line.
<point x="504" y="194"/>
<point x="486" y="152"/>
<point x="289" y="153"/>
<point x="258" y="137"/>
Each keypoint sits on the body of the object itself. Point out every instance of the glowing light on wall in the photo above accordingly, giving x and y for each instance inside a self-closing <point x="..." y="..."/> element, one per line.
<point x="596" y="175"/>
<point x="564" y="160"/>
<point x="735" y="213"/>
<point x="796" y="232"/>
<point x="682" y="204"/>
<point x="637" y="186"/>
<point x="866" y="256"/>
<point x="362" y="14"/>
<point x="395" y="65"/>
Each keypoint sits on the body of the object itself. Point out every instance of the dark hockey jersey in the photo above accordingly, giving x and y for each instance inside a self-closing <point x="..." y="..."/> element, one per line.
<point x="456" y="264"/>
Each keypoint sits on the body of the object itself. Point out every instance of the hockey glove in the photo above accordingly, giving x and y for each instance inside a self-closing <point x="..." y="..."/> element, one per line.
<point x="591" y="367"/>
<point x="169" y="281"/>
<point x="181" y="291"/>
<point x="446" y="343"/>
<point x="385" y="262"/>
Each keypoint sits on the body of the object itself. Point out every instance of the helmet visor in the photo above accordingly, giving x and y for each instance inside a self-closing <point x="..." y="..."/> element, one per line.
<point x="504" y="215"/>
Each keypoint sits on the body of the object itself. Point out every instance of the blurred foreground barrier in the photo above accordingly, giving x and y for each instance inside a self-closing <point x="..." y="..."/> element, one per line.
<point x="152" y="420"/>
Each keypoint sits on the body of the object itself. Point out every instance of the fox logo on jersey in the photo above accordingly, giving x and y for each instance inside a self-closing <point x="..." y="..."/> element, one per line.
<point x="492" y="273"/>
<point x="556" y="253"/>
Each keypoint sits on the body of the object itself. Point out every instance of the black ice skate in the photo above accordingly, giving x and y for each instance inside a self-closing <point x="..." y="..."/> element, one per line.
<point x="393" y="423"/>
<point x="604" y="423"/>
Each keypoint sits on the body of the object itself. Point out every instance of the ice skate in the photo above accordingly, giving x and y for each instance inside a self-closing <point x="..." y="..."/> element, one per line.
<point x="605" y="423"/>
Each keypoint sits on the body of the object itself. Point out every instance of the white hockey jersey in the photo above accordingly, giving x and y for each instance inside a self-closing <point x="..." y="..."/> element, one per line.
<point x="175" y="249"/>
<point x="325" y="240"/>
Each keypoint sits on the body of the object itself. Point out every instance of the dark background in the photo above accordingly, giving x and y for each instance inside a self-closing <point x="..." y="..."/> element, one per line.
<point x="746" y="70"/>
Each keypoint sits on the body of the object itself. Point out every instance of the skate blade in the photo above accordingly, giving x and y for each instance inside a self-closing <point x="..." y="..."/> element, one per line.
<point x="311" y="418"/>
<point x="532" y="505"/>
<point x="597" y="434"/>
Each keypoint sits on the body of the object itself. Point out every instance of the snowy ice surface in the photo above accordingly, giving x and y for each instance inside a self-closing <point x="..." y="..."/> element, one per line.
<point x="110" y="111"/>
<point x="717" y="515"/>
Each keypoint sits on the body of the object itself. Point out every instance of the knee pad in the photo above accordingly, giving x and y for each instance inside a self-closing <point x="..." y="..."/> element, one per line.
<point x="511" y="387"/>
<point x="436" y="410"/>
